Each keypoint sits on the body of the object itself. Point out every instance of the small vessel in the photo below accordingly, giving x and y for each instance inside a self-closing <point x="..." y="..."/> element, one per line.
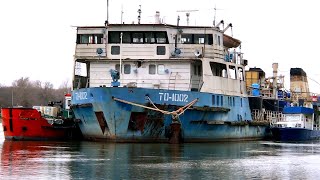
<point x="297" y="125"/>
<point x="39" y="123"/>
<point x="300" y="120"/>
<point x="162" y="83"/>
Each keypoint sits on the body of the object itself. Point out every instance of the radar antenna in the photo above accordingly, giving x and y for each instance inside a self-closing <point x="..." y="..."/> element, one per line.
<point x="187" y="14"/>
<point x="139" y="16"/>
<point x="215" y="14"/>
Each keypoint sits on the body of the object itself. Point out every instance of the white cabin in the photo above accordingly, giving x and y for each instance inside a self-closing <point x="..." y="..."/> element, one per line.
<point x="160" y="56"/>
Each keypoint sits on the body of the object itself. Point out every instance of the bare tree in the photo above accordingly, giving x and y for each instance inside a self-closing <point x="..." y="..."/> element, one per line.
<point x="24" y="92"/>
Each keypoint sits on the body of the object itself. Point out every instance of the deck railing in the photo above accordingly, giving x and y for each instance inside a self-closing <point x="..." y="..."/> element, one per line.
<point x="267" y="116"/>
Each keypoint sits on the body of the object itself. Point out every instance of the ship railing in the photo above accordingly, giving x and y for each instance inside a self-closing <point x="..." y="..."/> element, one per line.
<point x="316" y="127"/>
<point x="267" y="116"/>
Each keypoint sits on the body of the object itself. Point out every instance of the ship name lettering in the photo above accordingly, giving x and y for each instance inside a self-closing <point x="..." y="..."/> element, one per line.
<point x="81" y="95"/>
<point x="173" y="97"/>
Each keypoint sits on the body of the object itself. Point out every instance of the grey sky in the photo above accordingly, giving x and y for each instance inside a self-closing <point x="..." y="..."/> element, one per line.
<point x="38" y="40"/>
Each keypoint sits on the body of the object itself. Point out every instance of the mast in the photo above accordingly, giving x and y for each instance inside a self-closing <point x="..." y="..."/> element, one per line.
<point x="107" y="11"/>
<point x="139" y="16"/>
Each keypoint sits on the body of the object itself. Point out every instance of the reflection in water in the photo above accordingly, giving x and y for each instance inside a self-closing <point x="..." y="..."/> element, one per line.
<point x="96" y="160"/>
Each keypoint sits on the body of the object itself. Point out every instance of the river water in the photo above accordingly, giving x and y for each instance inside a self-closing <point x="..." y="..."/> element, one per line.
<point x="98" y="160"/>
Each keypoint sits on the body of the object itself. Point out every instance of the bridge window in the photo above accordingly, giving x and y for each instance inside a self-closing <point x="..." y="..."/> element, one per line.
<point x="186" y="38"/>
<point x="146" y="37"/>
<point x="149" y="37"/>
<point x="137" y="37"/>
<point x="126" y="37"/>
<point x="114" y="37"/>
<point x="152" y="69"/>
<point x="197" y="39"/>
<point x="89" y="38"/>
<point x="217" y="40"/>
<point x="161" y="37"/>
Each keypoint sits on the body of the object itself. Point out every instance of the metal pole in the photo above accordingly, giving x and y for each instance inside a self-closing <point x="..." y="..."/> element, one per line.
<point x="108" y="11"/>
<point x="12" y="96"/>
<point x="121" y="54"/>
<point x="121" y="14"/>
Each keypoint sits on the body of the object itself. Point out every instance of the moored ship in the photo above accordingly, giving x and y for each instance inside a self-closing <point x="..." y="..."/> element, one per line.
<point x="298" y="124"/>
<point x="161" y="83"/>
<point x="39" y="123"/>
<point x="301" y="119"/>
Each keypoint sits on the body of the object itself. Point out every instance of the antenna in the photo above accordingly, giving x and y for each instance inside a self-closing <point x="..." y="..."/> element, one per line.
<point x="139" y="12"/>
<point x="107" y="22"/>
<point x="215" y="13"/>
<point x="121" y="13"/>
<point x="187" y="14"/>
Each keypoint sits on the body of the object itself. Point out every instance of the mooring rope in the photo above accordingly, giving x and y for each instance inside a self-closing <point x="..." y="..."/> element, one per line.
<point x="174" y="114"/>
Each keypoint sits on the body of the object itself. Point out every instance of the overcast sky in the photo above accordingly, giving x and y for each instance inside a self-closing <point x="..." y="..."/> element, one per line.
<point x="38" y="40"/>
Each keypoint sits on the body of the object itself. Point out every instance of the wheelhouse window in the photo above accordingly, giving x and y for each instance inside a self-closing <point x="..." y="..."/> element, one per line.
<point x="146" y="37"/>
<point x="127" y="69"/>
<point x="218" y="69"/>
<point x="161" y="37"/>
<point x="114" y="37"/>
<point x="89" y="38"/>
<point x="152" y="69"/>
<point x="137" y="37"/>
<point x="149" y="37"/>
<point x="126" y="37"/>
<point x="197" y="39"/>
<point x="217" y="39"/>
<point x="186" y="38"/>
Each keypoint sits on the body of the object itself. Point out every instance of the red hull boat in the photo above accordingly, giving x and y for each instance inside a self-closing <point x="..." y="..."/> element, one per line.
<point x="30" y="124"/>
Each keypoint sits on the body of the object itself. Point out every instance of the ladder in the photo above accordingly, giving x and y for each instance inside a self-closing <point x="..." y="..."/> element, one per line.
<point x="172" y="81"/>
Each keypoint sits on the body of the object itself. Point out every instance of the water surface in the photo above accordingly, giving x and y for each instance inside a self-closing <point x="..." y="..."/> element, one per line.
<point x="98" y="160"/>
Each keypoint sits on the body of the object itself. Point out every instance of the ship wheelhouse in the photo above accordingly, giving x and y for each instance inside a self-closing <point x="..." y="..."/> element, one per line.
<point x="159" y="56"/>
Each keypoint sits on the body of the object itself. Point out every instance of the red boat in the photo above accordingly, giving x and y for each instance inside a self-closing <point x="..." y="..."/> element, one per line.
<point x="38" y="123"/>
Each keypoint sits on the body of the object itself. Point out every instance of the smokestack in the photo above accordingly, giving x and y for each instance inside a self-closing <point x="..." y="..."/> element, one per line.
<point x="274" y="83"/>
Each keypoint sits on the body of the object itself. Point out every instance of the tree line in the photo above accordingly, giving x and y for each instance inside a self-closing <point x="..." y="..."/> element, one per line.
<point x="27" y="93"/>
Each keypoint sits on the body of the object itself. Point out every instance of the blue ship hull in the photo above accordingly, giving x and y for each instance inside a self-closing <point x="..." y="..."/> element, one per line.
<point x="214" y="117"/>
<point x="294" y="134"/>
